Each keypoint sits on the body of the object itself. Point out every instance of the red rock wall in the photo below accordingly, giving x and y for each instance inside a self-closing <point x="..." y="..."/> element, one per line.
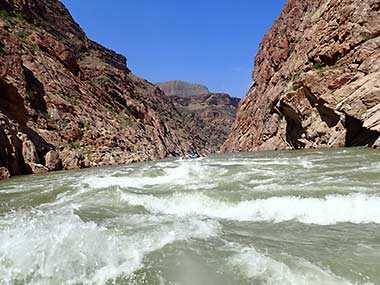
<point x="67" y="102"/>
<point x="315" y="81"/>
<point x="209" y="116"/>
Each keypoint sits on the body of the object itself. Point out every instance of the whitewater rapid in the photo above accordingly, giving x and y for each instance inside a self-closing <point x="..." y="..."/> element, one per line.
<point x="302" y="217"/>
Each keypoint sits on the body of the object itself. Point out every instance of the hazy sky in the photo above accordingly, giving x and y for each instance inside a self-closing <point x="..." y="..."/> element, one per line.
<point x="203" y="41"/>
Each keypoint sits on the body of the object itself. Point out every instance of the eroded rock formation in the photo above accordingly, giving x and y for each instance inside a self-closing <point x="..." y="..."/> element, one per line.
<point x="182" y="88"/>
<point x="67" y="102"/>
<point x="209" y="115"/>
<point x="316" y="81"/>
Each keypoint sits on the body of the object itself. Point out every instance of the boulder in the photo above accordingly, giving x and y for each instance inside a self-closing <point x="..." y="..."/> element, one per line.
<point x="72" y="159"/>
<point x="4" y="173"/>
<point x="29" y="152"/>
<point x="52" y="161"/>
<point x="38" y="168"/>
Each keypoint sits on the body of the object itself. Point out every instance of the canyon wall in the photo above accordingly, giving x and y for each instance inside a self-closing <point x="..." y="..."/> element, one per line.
<point x="67" y="102"/>
<point x="316" y="80"/>
<point x="209" y="115"/>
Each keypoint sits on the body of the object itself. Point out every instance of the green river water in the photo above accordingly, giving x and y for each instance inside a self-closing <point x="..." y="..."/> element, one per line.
<point x="288" y="217"/>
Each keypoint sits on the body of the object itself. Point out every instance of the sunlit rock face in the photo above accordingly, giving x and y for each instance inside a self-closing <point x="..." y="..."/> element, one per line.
<point x="316" y="80"/>
<point x="68" y="102"/>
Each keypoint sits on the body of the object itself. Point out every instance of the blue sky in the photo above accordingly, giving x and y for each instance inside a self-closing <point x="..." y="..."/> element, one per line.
<point x="209" y="42"/>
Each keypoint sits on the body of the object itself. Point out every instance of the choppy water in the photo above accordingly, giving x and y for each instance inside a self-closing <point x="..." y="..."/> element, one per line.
<point x="301" y="217"/>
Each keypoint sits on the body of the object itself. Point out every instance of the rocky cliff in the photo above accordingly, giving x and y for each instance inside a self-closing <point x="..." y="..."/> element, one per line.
<point x="66" y="102"/>
<point x="209" y="115"/>
<point x="182" y="88"/>
<point x="316" y="80"/>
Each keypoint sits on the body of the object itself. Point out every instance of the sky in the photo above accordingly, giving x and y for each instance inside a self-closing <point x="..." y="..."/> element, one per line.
<point x="211" y="42"/>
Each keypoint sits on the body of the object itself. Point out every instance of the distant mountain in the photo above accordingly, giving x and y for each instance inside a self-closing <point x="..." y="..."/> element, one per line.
<point x="182" y="88"/>
<point x="210" y="115"/>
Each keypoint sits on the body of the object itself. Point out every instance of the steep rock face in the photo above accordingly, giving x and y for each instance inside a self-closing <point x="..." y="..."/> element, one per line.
<point x="209" y="115"/>
<point x="316" y="80"/>
<point x="182" y="88"/>
<point x="66" y="101"/>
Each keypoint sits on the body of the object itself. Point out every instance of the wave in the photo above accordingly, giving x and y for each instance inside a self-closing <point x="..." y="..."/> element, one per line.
<point x="256" y="266"/>
<point x="184" y="174"/>
<point x="353" y="208"/>
<point x="60" y="248"/>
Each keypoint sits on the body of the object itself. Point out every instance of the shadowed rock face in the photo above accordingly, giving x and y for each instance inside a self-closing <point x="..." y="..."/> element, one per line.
<point x="209" y="115"/>
<point x="67" y="102"/>
<point x="316" y="80"/>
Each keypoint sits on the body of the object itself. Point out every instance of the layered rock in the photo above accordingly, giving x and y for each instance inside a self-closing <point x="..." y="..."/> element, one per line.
<point x="209" y="115"/>
<point x="182" y="88"/>
<point x="315" y="81"/>
<point x="67" y="102"/>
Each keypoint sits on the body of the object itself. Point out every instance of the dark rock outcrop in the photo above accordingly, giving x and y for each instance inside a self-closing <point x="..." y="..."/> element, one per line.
<point x="316" y="80"/>
<point x="67" y="102"/>
<point x="209" y="115"/>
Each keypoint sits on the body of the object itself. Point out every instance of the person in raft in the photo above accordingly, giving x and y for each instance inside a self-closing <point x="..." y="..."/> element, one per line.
<point x="194" y="154"/>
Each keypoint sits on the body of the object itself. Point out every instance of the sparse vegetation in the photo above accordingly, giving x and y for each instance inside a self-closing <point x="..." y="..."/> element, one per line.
<point x="20" y="17"/>
<point x="84" y="125"/>
<point x="30" y="94"/>
<point x="368" y="37"/>
<point x="297" y="76"/>
<point x="126" y="122"/>
<point x="73" y="145"/>
<point x="100" y="80"/>
<point x="67" y="98"/>
<point x="23" y="36"/>
<point x="320" y="67"/>
<point x="92" y="60"/>
<point x="123" y="119"/>
<point x="46" y="115"/>
<point x="4" y="14"/>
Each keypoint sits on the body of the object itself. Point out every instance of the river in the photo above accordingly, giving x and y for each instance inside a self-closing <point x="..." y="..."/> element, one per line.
<point x="286" y="217"/>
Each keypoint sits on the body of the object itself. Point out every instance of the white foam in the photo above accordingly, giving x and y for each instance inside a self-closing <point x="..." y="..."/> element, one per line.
<point x="57" y="248"/>
<point x="259" y="267"/>
<point x="183" y="174"/>
<point x="353" y="208"/>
